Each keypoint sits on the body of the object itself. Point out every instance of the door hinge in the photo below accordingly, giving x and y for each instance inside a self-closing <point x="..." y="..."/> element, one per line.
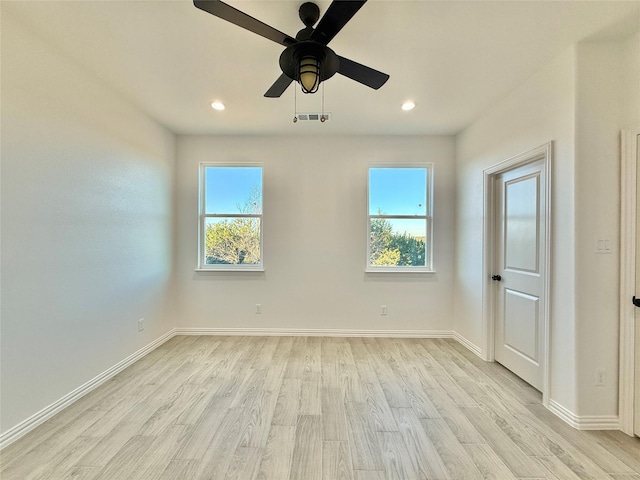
<point x="636" y="301"/>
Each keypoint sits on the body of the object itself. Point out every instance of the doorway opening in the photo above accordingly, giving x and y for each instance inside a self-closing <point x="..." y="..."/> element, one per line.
<point x="516" y="265"/>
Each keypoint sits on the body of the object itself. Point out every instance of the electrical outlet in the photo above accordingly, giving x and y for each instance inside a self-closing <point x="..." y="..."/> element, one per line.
<point x="141" y="324"/>
<point x="601" y="378"/>
<point x="258" y="308"/>
<point x="383" y="309"/>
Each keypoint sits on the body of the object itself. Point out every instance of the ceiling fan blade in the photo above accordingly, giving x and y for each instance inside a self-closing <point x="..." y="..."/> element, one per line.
<point x="336" y="17"/>
<point x="241" y="19"/>
<point x="361" y="73"/>
<point x="278" y="87"/>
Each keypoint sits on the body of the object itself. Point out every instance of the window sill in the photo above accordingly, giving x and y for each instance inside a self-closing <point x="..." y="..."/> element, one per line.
<point x="399" y="270"/>
<point x="229" y="270"/>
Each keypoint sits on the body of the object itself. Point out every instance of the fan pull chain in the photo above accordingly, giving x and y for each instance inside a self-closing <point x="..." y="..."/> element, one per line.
<point x="322" y="117"/>
<point x="295" y="103"/>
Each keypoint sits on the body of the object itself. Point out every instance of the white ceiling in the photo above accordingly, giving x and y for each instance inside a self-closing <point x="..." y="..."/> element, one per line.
<point x="453" y="58"/>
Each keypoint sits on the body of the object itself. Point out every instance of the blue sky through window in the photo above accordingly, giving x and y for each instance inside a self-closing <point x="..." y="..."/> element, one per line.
<point x="399" y="191"/>
<point x="229" y="188"/>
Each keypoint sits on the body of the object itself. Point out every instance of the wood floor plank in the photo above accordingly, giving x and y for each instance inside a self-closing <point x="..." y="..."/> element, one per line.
<point x="491" y="467"/>
<point x="153" y="461"/>
<point x="422" y="453"/>
<point x="244" y="464"/>
<point x="306" y="461"/>
<point x="562" y="472"/>
<point x="265" y="356"/>
<point x="206" y="429"/>
<point x="395" y="458"/>
<point x="517" y="461"/>
<point x="83" y="473"/>
<point x="622" y="446"/>
<point x="288" y="402"/>
<point x="178" y="469"/>
<point x="386" y="378"/>
<point x="37" y="460"/>
<point x="108" y="445"/>
<point x="66" y="461"/>
<point x="515" y="426"/>
<point x="311" y="394"/>
<point x="575" y="450"/>
<point x="257" y="421"/>
<point x="334" y="421"/>
<point x="368" y="475"/>
<point x="217" y="455"/>
<point x="275" y="463"/>
<point x="278" y="408"/>
<point x="458" y="464"/>
<point x="378" y="409"/>
<point x="365" y="451"/>
<point x="457" y="422"/>
<point x="336" y="461"/>
<point x="125" y="461"/>
<point x="296" y="360"/>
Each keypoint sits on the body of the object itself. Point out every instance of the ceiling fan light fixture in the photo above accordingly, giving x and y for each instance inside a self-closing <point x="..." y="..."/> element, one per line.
<point x="309" y="74"/>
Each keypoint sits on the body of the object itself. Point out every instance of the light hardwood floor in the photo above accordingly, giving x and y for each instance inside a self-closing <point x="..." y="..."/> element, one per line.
<point x="307" y="408"/>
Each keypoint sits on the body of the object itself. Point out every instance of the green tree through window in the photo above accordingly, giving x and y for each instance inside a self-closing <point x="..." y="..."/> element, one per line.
<point x="236" y="241"/>
<point x="389" y="249"/>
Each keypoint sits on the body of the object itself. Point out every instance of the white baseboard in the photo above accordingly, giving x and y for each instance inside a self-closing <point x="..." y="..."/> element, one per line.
<point x="584" y="422"/>
<point x="315" y="332"/>
<point x="466" y="343"/>
<point x="46" y="413"/>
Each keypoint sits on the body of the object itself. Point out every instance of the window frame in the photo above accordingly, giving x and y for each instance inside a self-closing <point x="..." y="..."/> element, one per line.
<point x="202" y="266"/>
<point x="428" y="217"/>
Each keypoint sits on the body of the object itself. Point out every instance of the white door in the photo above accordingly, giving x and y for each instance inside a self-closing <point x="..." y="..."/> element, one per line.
<point x="518" y="274"/>
<point x="636" y="415"/>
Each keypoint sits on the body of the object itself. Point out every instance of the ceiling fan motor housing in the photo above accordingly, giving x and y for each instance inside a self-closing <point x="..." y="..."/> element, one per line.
<point x="309" y="13"/>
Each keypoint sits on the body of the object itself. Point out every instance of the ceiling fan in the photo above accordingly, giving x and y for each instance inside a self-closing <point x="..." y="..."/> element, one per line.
<point x="306" y="59"/>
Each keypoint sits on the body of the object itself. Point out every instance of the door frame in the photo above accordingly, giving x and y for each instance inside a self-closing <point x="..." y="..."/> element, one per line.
<point x="544" y="153"/>
<point x="628" y="196"/>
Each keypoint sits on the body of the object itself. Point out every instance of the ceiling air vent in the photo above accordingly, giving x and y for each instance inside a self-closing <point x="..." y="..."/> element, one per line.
<point x="312" y="117"/>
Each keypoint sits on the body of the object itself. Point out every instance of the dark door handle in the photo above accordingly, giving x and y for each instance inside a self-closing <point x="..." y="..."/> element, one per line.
<point x="636" y="301"/>
<point x="497" y="278"/>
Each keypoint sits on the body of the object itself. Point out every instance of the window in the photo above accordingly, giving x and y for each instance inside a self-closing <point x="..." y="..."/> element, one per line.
<point x="400" y="218"/>
<point x="230" y="217"/>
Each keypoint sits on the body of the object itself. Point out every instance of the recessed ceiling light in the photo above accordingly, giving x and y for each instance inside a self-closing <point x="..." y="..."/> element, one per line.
<point x="406" y="106"/>
<point x="217" y="105"/>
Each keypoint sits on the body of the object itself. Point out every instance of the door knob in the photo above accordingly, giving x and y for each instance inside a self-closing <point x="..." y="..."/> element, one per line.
<point x="497" y="278"/>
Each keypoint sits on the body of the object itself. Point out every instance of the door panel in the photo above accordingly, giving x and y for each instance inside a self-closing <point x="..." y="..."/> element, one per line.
<point x="519" y="260"/>
<point x="522" y="338"/>
<point x="521" y="230"/>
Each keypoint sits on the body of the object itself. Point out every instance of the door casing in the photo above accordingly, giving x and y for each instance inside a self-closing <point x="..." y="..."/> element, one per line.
<point x="543" y="153"/>
<point x="628" y="216"/>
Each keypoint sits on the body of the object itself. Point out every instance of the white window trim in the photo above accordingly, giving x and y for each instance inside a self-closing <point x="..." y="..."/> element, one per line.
<point x="428" y="269"/>
<point x="202" y="216"/>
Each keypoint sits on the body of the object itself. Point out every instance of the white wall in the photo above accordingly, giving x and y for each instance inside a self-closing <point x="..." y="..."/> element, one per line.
<point x="315" y="238"/>
<point x="580" y="101"/>
<point x="86" y="226"/>
<point x="539" y="111"/>
<point x="608" y="83"/>
<point x="630" y="78"/>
